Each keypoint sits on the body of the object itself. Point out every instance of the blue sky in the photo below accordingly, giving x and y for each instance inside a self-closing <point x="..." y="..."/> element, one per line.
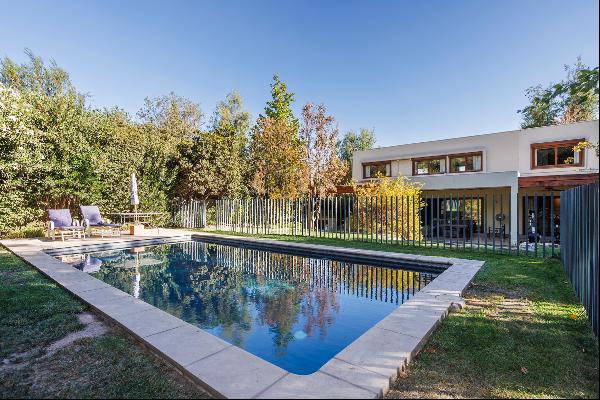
<point x="412" y="70"/>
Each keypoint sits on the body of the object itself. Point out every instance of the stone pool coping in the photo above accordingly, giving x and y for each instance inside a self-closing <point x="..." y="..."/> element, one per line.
<point x="363" y="369"/>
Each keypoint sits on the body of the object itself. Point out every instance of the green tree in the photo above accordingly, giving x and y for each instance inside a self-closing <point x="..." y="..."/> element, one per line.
<point x="212" y="163"/>
<point x="574" y="99"/>
<point x="58" y="152"/>
<point x="352" y="142"/>
<point x="276" y="151"/>
<point x="279" y="107"/>
<point x="276" y="157"/>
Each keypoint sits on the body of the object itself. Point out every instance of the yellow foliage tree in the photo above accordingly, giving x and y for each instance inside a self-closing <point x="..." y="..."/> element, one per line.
<point x="389" y="208"/>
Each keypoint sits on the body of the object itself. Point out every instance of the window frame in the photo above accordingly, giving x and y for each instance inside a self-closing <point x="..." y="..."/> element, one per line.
<point x="370" y="163"/>
<point x="473" y="153"/>
<point x="429" y="159"/>
<point x="556" y="145"/>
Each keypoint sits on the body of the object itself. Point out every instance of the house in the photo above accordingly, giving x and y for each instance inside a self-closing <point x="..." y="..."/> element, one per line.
<point x="512" y="177"/>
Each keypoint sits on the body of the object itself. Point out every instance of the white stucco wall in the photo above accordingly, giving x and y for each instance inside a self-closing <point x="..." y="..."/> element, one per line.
<point x="580" y="130"/>
<point x="502" y="152"/>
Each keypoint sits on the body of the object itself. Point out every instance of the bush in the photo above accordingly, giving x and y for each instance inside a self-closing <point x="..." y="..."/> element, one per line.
<point x="31" y="230"/>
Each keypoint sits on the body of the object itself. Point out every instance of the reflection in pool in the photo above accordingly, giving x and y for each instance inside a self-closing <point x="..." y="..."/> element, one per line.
<point x="293" y="311"/>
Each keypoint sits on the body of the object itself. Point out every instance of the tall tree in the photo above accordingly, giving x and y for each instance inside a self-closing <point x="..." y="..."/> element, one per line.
<point x="276" y="156"/>
<point x="574" y="99"/>
<point x="352" y="142"/>
<point x="279" y="107"/>
<point x="275" y="148"/>
<point x="212" y="164"/>
<point x="318" y="133"/>
<point x="174" y="115"/>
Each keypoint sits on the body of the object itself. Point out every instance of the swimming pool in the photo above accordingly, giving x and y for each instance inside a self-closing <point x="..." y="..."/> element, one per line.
<point x="294" y="311"/>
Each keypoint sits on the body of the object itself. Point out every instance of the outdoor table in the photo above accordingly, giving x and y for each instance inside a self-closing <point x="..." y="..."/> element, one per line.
<point x="143" y="218"/>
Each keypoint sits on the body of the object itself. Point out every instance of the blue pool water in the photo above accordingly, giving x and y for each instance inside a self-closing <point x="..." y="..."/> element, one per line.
<point x="293" y="311"/>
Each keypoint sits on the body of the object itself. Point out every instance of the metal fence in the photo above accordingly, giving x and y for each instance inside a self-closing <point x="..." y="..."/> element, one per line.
<point x="475" y="220"/>
<point x="190" y="214"/>
<point x="579" y="245"/>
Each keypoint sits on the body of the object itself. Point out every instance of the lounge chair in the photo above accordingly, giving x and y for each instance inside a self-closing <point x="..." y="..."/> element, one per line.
<point x="94" y="224"/>
<point x="61" y="222"/>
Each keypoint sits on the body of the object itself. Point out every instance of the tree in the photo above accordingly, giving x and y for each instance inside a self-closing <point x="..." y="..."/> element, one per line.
<point x="377" y="203"/>
<point x="212" y="163"/>
<point x="178" y="117"/>
<point x="275" y="148"/>
<point x="352" y="142"/>
<point x="21" y="161"/>
<point x="574" y="99"/>
<point x="279" y="107"/>
<point x="276" y="156"/>
<point x="318" y="133"/>
<point x="57" y="152"/>
<point x="35" y="76"/>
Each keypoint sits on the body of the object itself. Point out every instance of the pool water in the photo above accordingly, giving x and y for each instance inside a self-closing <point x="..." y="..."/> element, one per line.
<point x="293" y="311"/>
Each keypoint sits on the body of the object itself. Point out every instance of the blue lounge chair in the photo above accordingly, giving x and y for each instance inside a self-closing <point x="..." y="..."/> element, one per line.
<point x="61" y="222"/>
<point x="94" y="224"/>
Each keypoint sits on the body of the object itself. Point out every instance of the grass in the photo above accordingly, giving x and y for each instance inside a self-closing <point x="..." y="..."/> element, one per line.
<point x="35" y="313"/>
<point x="522" y="334"/>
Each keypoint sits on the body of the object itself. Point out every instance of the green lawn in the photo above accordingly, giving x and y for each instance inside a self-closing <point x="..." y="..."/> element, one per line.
<point x="522" y="334"/>
<point x="34" y="313"/>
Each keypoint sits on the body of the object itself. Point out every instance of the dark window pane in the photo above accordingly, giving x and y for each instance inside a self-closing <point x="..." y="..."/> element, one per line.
<point x="544" y="157"/>
<point x="566" y="155"/>
<point x="372" y="170"/>
<point x="434" y="167"/>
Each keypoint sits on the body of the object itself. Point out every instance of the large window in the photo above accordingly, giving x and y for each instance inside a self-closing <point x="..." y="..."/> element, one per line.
<point x="470" y="162"/>
<point x="372" y="170"/>
<point x="556" y="154"/>
<point x="429" y="166"/>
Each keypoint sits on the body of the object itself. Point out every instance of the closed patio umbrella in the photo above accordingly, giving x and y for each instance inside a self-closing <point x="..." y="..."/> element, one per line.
<point x="134" y="193"/>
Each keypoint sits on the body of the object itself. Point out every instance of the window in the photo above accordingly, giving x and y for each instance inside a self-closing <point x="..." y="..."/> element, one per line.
<point x="470" y="162"/>
<point x="371" y="170"/>
<point x="556" y="154"/>
<point x="429" y="166"/>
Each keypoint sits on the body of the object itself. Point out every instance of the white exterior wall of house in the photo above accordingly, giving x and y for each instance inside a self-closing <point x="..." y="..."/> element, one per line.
<point x="506" y="158"/>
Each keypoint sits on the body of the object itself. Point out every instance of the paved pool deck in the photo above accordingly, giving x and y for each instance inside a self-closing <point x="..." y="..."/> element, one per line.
<point x="364" y="369"/>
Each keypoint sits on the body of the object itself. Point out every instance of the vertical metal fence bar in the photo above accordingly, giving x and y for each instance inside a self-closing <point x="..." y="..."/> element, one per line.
<point x="535" y="219"/>
<point x="463" y="219"/>
<point x="552" y="222"/>
<point x="526" y="223"/>
<point x="544" y="225"/>
<point x="376" y="219"/>
<point x="396" y="226"/>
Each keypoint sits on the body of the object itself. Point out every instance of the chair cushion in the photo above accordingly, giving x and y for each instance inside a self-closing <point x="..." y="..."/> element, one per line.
<point x="92" y="214"/>
<point x="60" y="217"/>
<point x="72" y="227"/>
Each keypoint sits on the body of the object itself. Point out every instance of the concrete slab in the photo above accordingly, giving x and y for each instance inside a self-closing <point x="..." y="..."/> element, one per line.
<point x="235" y="373"/>
<point x="314" y="386"/>
<point x="186" y="344"/>
<point x="381" y="351"/>
<point x="148" y="321"/>
<point x="371" y="381"/>
<point x="414" y="320"/>
<point x="113" y="302"/>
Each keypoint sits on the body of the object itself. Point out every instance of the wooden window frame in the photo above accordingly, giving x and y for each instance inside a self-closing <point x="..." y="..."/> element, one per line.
<point x="555" y="145"/>
<point x="473" y="153"/>
<point x="366" y="164"/>
<point x="421" y="159"/>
